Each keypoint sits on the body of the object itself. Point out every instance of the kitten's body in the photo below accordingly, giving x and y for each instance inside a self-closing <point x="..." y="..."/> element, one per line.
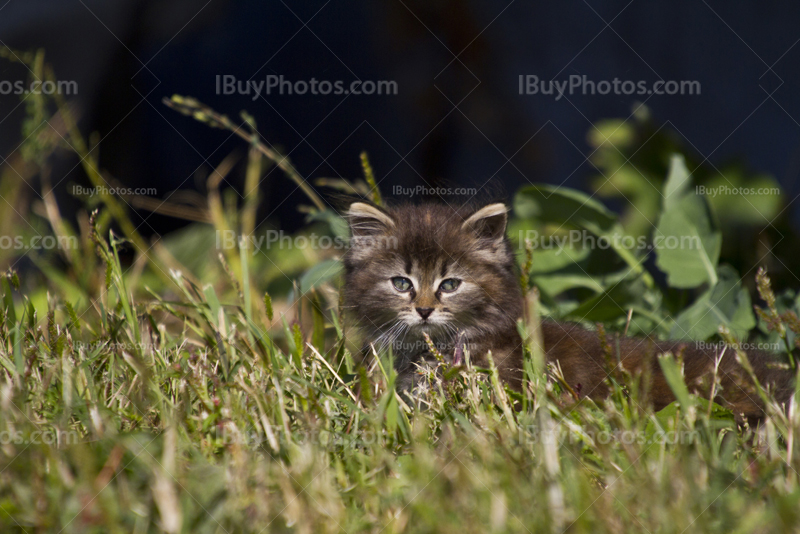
<point x="450" y="273"/>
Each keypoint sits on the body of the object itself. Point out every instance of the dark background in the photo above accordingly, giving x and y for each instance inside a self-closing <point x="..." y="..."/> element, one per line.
<point x="458" y="119"/>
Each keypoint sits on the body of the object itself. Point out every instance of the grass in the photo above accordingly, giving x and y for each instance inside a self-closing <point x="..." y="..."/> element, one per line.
<point x="166" y="392"/>
<point x="186" y="416"/>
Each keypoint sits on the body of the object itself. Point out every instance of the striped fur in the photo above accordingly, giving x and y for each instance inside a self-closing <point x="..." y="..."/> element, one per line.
<point x="429" y="243"/>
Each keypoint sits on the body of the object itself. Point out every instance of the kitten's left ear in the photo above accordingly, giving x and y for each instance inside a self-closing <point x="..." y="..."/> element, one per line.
<point x="489" y="222"/>
<point x="367" y="220"/>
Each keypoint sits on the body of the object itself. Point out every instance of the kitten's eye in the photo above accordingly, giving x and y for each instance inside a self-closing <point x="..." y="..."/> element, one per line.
<point x="449" y="285"/>
<point x="401" y="284"/>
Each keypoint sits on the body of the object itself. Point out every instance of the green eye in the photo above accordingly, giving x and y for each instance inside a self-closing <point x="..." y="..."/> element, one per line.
<point x="449" y="285"/>
<point x="401" y="284"/>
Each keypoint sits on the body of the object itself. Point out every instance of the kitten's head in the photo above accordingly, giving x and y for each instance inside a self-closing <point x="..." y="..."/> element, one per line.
<point x="432" y="269"/>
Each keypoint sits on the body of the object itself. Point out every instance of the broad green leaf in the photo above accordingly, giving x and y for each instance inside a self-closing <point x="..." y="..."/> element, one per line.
<point x="687" y="240"/>
<point x="740" y="199"/>
<point x="571" y="208"/>
<point x="611" y="304"/>
<point x="677" y="184"/>
<point x="555" y="284"/>
<point x="727" y="303"/>
<point x="549" y="260"/>
<point x="562" y="205"/>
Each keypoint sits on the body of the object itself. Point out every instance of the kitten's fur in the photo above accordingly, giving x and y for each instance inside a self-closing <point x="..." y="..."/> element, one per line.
<point x="431" y="243"/>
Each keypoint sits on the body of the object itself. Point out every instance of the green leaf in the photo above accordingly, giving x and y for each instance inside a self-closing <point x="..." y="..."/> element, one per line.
<point x="677" y="184"/>
<point x="740" y="199"/>
<point x="556" y="284"/>
<point x="319" y="274"/>
<point x="571" y="208"/>
<point x="615" y="132"/>
<point x="553" y="284"/>
<point x="727" y="303"/>
<point x="723" y="417"/>
<point x="610" y="304"/>
<point x="687" y="240"/>
<point x="550" y="260"/>
<point x="562" y="205"/>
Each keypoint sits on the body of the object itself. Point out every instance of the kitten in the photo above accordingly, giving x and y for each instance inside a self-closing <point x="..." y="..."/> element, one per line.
<point x="450" y="272"/>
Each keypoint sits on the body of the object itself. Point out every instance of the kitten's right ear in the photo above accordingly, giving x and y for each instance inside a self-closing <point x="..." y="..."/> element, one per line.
<point x="489" y="222"/>
<point x="366" y="220"/>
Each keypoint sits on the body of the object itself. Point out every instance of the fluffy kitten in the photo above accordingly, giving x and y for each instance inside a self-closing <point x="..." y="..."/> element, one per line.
<point x="450" y="273"/>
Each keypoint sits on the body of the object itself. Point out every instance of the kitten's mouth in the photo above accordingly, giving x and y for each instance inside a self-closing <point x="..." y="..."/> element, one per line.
<point x="426" y="327"/>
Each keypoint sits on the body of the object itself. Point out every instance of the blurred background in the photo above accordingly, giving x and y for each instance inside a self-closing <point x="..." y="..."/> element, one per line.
<point x="458" y="118"/>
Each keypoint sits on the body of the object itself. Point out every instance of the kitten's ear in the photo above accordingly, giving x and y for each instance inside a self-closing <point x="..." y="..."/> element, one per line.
<point x="366" y="220"/>
<point x="488" y="222"/>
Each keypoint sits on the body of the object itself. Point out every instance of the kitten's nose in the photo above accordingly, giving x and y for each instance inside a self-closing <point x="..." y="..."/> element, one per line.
<point x="424" y="312"/>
